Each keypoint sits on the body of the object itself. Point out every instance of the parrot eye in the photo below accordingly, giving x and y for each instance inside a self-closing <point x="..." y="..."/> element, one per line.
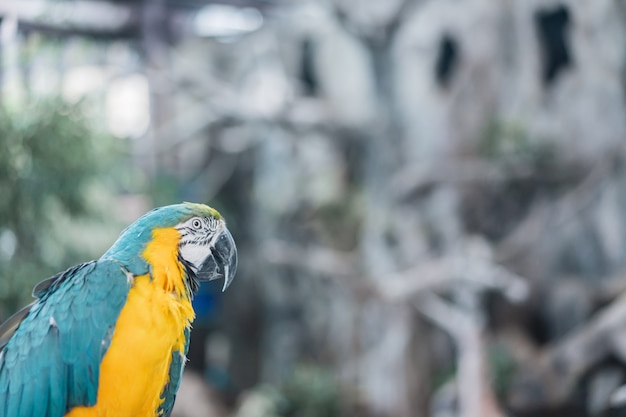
<point x="196" y="224"/>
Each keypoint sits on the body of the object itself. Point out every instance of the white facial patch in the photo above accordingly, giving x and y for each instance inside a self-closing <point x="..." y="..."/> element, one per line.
<point x="195" y="253"/>
<point x="195" y="245"/>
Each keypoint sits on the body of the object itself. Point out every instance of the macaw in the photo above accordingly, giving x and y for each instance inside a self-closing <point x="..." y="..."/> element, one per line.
<point x="108" y="338"/>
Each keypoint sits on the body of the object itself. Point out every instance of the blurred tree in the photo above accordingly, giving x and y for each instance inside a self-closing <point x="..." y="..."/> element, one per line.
<point x="49" y="156"/>
<point x="310" y="391"/>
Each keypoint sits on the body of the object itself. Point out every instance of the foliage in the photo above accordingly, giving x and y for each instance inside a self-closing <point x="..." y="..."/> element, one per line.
<point x="309" y="392"/>
<point x="509" y="144"/>
<point x="502" y="368"/>
<point x="49" y="157"/>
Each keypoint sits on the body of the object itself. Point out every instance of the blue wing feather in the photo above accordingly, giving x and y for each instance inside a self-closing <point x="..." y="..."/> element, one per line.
<point x="176" y="372"/>
<point x="51" y="362"/>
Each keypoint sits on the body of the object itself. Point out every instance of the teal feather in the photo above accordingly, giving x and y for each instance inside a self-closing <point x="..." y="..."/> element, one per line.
<point x="50" y="351"/>
<point x="13" y="407"/>
<point x="40" y="386"/>
<point x="59" y="342"/>
<point x="175" y="373"/>
<point x="135" y="237"/>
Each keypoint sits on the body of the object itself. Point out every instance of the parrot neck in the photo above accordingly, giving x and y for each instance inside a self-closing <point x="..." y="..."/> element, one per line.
<point x="167" y="271"/>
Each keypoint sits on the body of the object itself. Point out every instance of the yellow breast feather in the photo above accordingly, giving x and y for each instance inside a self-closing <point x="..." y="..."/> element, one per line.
<point x="149" y="329"/>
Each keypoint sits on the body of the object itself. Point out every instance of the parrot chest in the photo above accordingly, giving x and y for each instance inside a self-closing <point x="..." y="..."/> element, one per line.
<point x="135" y="369"/>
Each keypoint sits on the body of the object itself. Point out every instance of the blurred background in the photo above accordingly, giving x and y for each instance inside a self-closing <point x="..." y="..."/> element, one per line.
<point x="428" y="195"/>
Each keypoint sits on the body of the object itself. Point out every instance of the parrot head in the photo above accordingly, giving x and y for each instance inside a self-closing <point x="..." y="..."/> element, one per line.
<point x="206" y="248"/>
<point x="196" y="232"/>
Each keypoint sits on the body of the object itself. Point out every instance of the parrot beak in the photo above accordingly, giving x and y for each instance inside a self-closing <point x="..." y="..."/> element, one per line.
<point x="222" y="262"/>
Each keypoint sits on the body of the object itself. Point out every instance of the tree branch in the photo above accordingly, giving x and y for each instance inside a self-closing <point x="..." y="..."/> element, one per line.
<point x="557" y="370"/>
<point x="475" y="394"/>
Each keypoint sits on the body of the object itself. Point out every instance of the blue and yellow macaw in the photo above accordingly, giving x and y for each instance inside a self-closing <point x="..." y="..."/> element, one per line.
<point x="108" y="338"/>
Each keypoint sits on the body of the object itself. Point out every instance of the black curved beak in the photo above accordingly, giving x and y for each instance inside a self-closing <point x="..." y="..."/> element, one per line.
<point x="222" y="262"/>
